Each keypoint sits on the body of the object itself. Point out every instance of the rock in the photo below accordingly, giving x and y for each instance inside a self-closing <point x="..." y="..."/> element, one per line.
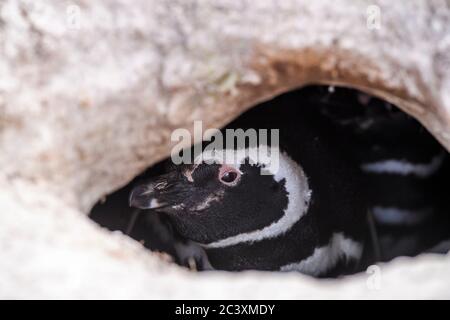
<point x="90" y="93"/>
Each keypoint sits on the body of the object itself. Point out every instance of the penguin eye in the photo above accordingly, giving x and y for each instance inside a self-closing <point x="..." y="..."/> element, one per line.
<point x="228" y="176"/>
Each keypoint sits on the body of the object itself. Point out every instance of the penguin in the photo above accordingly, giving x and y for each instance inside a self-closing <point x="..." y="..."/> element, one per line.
<point x="403" y="166"/>
<point x="307" y="215"/>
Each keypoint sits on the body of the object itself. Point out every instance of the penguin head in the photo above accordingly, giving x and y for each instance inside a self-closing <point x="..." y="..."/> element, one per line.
<point x="246" y="199"/>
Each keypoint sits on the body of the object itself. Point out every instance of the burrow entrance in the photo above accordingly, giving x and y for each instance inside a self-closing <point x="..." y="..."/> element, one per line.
<point x="405" y="173"/>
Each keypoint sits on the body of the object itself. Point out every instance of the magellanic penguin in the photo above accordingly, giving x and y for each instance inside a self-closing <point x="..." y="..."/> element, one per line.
<point x="404" y="167"/>
<point x="307" y="216"/>
<point x="400" y="160"/>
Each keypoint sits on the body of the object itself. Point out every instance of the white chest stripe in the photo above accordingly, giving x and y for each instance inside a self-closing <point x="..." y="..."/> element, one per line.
<point x="299" y="195"/>
<point x="403" y="167"/>
<point x="326" y="257"/>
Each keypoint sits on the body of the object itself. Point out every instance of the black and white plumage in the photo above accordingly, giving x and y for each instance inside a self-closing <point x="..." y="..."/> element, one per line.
<point x="403" y="166"/>
<point x="400" y="160"/>
<point x="309" y="216"/>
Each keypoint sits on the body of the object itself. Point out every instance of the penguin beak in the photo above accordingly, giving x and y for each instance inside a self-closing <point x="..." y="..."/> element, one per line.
<point x="162" y="192"/>
<point x="141" y="198"/>
<point x="147" y="195"/>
